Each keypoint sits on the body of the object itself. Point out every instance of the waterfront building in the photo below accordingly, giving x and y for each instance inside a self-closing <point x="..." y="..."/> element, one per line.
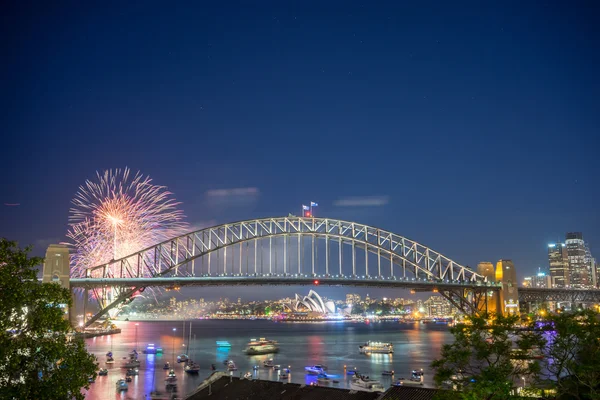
<point x="579" y="267"/>
<point x="542" y="280"/>
<point x="559" y="265"/>
<point x="313" y="302"/>
<point x="437" y="306"/>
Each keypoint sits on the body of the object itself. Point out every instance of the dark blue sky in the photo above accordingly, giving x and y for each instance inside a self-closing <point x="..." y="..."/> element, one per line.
<point x="475" y="123"/>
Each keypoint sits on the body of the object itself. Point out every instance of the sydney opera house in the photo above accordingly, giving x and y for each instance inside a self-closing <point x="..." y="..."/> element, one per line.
<point x="312" y="303"/>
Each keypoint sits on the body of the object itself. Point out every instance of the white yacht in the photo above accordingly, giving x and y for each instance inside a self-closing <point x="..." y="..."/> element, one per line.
<point x="366" y="384"/>
<point x="376" y="347"/>
<point x="261" y="346"/>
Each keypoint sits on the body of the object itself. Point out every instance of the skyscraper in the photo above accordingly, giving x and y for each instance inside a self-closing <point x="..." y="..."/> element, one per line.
<point x="559" y="265"/>
<point x="577" y="256"/>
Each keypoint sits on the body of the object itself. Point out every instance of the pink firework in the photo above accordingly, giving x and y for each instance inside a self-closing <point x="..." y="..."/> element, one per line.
<point x="116" y="216"/>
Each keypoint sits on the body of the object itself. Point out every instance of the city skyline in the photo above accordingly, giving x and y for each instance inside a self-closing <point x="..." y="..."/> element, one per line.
<point x="248" y="112"/>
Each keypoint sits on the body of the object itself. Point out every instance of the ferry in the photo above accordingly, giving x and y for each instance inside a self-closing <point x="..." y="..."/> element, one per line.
<point x="365" y="384"/>
<point x="376" y="347"/>
<point x="261" y="346"/>
<point x="316" y="369"/>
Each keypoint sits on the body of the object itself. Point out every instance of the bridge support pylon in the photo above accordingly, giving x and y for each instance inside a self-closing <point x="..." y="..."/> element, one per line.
<point x="506" y="300"/>
<point x="57" y="269"/>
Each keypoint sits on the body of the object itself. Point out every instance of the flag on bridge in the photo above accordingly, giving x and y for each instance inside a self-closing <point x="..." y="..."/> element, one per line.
<point x="305" y="208"/>
<point x="313" y="204"/>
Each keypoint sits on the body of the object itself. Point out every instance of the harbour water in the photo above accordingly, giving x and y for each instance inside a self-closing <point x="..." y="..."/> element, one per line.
<point x="334" y="344"/>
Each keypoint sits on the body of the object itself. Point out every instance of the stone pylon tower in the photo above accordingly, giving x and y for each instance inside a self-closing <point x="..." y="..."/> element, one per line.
<point x="492" y="300"/>
<point x="57" y="269"/>
<point x="509" y="295"/>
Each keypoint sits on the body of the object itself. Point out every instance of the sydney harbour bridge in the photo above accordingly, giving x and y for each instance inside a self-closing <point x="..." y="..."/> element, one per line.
<point x="301" y="251"/>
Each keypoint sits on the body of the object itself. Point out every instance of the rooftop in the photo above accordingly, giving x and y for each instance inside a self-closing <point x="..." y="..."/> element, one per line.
<point x="233" y="388"/>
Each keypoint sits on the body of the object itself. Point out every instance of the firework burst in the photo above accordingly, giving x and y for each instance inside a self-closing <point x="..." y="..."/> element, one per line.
<point x="118" y="215"/>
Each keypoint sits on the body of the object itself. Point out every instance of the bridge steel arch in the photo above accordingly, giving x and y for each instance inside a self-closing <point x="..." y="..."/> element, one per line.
<point x="178" y="256"/>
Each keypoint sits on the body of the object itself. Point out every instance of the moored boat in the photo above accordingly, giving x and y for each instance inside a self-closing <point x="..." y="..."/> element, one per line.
<point x="268" y="363"/>
<point x="122" y="385"/>
<point x="365" y="384"/>
<point x="192" y="368"/>
<point x="316" y="369"/>
<point x="182" y="358"/>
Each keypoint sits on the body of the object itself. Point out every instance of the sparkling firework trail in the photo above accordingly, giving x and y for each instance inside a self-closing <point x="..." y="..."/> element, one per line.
<point x="117" y="216"/>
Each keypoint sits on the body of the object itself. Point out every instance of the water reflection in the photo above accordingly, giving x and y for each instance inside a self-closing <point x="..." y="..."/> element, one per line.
<point x="335" y="345"/>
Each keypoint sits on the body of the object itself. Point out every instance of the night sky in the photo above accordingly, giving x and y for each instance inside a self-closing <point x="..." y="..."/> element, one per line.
<point x="471" y="127"/>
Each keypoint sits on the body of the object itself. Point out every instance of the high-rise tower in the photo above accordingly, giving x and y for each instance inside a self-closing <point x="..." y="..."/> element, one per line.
<point x="578" y="258"/>
<point x="559" y="265"/>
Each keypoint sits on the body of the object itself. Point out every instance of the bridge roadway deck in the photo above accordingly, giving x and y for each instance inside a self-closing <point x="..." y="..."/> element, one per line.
<point x="277" y="280"/>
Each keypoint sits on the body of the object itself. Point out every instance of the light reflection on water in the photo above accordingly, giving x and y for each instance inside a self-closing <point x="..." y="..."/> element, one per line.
<point x="302" y="344"/>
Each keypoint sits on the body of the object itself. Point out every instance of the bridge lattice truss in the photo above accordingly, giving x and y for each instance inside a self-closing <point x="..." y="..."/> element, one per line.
<point x="351" y="251"/>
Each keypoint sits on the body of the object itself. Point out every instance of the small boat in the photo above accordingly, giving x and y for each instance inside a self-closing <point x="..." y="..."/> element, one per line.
<point x="132" y="371"/>
<point x="192" y="368"/>
<point x="133" y="353"/>
<point x="172" y="374"/>
<point x="122" y="385"/>
<point x="248" y="375"/>
<point x="91" y="379"/>
<point x="103" y="372"/>
<point x="418" y="372"/>
<point x="167" y="366"/>
<point x="182" y="358"/>
<point x="128" y="378"/>
<point x="387" y="373"/>
<point x="150" y="349"/>
<point x="284" y="375"/>
<point x="110" y="360"/>
<point x="323" y="379"/>
<point x="277" y="367"/>
<point x="316" y="369"/>
<point x="365" y="384"/>
<point x="132" y="363"/>
<point x="268" y="363"/>
<point x="156" y="395"/>
<point x="231" y="366"/>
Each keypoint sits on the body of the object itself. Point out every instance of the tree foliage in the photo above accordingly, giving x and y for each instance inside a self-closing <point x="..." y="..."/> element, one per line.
<point x="488" y="358"/>
<point x="572" y="362"/>
<point x="38" y="359"/>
